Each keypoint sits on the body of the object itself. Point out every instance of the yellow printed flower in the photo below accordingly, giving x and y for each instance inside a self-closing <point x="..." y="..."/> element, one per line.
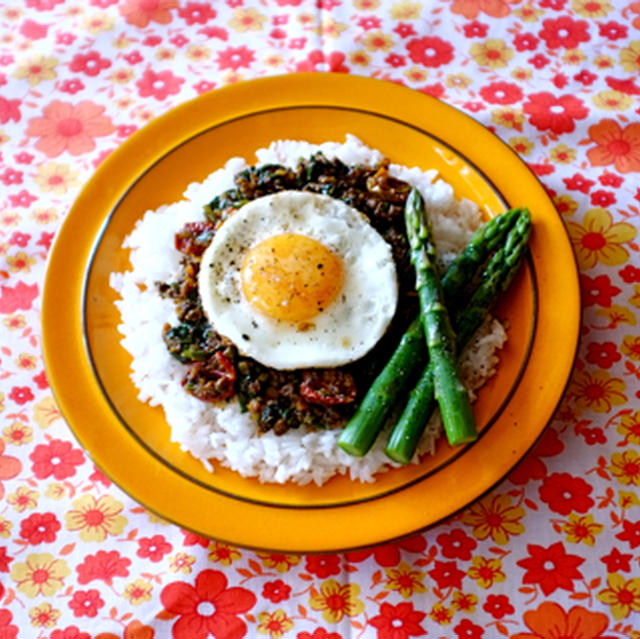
<point x="11" y="218"/>
<point x="138" y="591"/>
<point x="56" y="490"/>
<point x="44" y="216"/>
<point x="631" y="347"/>
<point x="405" y="10"/>
<point x="521" y="74"/>
<point x="37" y="69"/>
<point x="273" y="60"/>
<point x="599" y="239"/>
<point x="617" y="315"/>
<point x="582" y="529"/>
<point x="330" y="28"/>
<point x="565" y="204"/>
<point x="165" y="53"/>
<point x="626" y="467"/>
<point x="360" y="58"/>
<point x="5" y="527"/>
<point x="508" y="117"/>
<point x="26" y="361"/>
<point x="635" y="298"/>
<point x="464" y="601"/>
<point x="4" y="137"/>
<point x="629" y="426"/>
<point x="377" y="41"/>
<point x="622" y="596"/>
<point x="574" y="56"/>
<point x="494" y="517"/>
<point x="15" y="322"/>
<point x="98" y="23"/>
<point x="336" y="601"/>
<point x="598" y="391"/>
<point x="17" y="433"/>
<point x="486" y="572"/>
<point x="40" y="575"/>
<point x="274" y="624"/>
<point x="612" y="101"/>
<point x="592" y="8"/>
<point x="20" y="262"/>
<point x="630" y="57"/>
<point x="96" y="518"/>
<point x="56" y="178"/>
<point x="24" y="498"/>
<point x="198" y="52"/>
<point x="44" y="616"/>
<point x="12" y="13"/>
<point x="493" y="53"/>
<point x="458" y="81"/>
<point x="282" y="563"/>
<point x="45" y="412"/>
<point x="223" y="553"/>
<point x="181" y="562"/>
<point x="627" y="498"/>
<point x="247" y="20"/>
<point x="122" y="76"/>
<point x="528" y="13"/>
<point x="562" y="154"/>
<point x="405" y="580"/>
<point x="441" y="614"/>
<point x="416" y="74"/>
<point x="603" y="62"/>
<point x="366" y="5"/>
<point x="521" y="145"/>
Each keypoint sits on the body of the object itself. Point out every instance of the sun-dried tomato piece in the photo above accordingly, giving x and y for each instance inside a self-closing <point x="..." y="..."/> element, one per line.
<point x="194" y="237"/>
<point x="328" y="387"/>
<point x="211" y="380"/>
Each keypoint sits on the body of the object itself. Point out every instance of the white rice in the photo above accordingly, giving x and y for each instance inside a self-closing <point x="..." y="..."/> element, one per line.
<point x="224" y="433"/>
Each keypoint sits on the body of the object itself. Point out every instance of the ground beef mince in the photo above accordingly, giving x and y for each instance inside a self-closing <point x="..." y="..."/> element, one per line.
<point x="280" y="400"/>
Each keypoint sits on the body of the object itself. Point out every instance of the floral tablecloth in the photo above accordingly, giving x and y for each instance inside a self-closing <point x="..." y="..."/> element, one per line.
<point x="554" y="551"/>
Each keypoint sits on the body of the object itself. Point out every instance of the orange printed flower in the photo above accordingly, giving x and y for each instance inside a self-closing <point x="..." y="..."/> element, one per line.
<point x="621" y="596"/>
<point x="471" y="9"/>
<point x="551" y="621"/>
<point x="405" y="580"/>
<point x="615" y="145"/>
<point x="65" y="127"/>
<point x="9" y="467"/>
<point x="486" y="571"/>
<point x="626" y="467"/>
<point x="495" y="517"/>
<point x="134" y="630"/>
<point x="140" y="13"/>
<point x="274" y="624"/>
<point x="599" y="239"/>
<point x="582" y="529"/>
<point x="336" y="601"/>
<point x="629" y="426"/>
<point x="96" y="518"/>
<point x="598" y="391"/>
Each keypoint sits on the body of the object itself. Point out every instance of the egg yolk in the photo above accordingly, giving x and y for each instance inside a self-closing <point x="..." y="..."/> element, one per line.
<point x="291" y="277"/>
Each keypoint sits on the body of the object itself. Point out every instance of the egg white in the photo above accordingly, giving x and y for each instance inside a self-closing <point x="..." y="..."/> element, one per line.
<point x="347" y="329"/>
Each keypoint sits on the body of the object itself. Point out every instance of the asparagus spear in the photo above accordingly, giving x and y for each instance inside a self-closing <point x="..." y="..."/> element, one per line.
<point x="496" y="278"/>
<point x="450" y="393"/>
<point x="410" y="355"/>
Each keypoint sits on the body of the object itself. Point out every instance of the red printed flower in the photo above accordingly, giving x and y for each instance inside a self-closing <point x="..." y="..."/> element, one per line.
<point x="466" y="629"/>
<point x="604" y="355"/>
<point x="585" y="77"/>
<point x="140" y="13"/>
<point x="389" y="554"/>
<point x="615" y="561"/>
<point x="158" y="85"/>
<point x="5" y="560"/>
<point x="630" y="533"/>
<point x="153" y="548"/>
<point x="430" y="51"/>
<point x="550" y="568"/>
<point x="323" y="565"/>
<point x="23" y="199"/>
<point x="65" y="127"/>
<point x="630" y="274"/>
<point x="333" y="62"/>
<point x="602" y="198"/>
<point x="57" y="458"/>
<point x="276" y="591"/>
<point x="475" y="29"/>
<point x="208" y="607"/>
<point x="532" y="467"/>
<point x="456" y="544"/>
<point x="447" y="574"/>
<point x="70" y="632"/>
<point x="404" y="30"/>
<point x="235" y="57"/>
<point x="564" y="32"/>
<point x="103" y="566"/>
<point x="197" y="13"/>
<point x="525" y="42"/>
<point x="398" y="622"/>
<point x="547" y="111"/>
<point x="86" y="603"/>
<point x="39" y="527"/>
<point x="21" y="394"/>
<point x="577" y="182"/>
<point x="19" y="297"/>
<point x="9" y="110"/>
<point x="501" y="93"/>
<point x="318" y="633"/>
<point x="90" y="63"/>
<point x="7" y="629"/>
<point x="613" y="30"/>
<point x="564" y="493"/>
<point x="498" y="606"/>
<point x="191" y="539"/>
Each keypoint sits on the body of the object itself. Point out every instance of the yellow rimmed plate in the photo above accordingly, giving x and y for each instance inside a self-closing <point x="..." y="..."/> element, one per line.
<point x="89" y="370"/>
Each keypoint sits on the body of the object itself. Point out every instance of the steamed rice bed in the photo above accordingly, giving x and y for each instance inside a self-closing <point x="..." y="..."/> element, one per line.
<point x="223" y="432"/>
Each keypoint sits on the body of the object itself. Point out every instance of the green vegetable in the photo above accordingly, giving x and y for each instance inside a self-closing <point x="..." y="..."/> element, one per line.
<point x="496" y="278"/>
<point x="410" y="355"/>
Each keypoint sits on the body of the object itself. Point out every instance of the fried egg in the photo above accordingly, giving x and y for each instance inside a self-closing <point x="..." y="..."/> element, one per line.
<point x="299" y="280"/>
